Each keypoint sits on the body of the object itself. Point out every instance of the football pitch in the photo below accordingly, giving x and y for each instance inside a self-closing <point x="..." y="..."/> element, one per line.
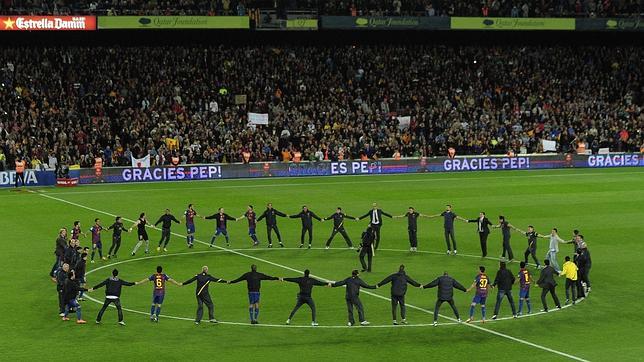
<point x="606" y="205"/>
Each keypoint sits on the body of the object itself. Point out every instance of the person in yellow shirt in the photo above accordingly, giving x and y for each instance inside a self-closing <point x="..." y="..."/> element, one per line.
<point x="569" y="270"/>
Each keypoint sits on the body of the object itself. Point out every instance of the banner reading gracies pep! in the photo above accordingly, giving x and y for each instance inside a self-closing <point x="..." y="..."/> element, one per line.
<point x="47" y="23"/>
<point x="173" y="22"/>
<point x="512" y="23"/>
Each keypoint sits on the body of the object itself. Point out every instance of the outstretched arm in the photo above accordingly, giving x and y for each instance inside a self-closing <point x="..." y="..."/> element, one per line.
<point x="189" y="280"/>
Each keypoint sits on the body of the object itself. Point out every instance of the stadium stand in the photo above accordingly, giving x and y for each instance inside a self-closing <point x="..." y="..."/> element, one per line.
<point x="325" y="102"/>
<point x="505" y="8"/>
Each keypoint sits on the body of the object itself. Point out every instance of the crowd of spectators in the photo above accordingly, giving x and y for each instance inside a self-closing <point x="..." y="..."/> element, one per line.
<point x="505" y="8"/>
<point x="68" y="105"/>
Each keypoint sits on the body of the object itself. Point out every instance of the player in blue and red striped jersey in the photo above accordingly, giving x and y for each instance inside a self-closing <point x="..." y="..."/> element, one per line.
<point x="221" y="219"/>
<point x="252" y="223"/>
<point x="158" y="294"/>
<point x="525" y="280"/>
<point x="190" y="214"/>
<point x="481" y="283"/>
<point x="76" y="230"/>
<point x="96" y="230"/>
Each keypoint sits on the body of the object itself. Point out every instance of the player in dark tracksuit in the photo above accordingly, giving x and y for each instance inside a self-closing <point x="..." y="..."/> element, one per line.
<point x="532" y="236"/>
<point x="366" y="248"/>
<point x="60" y="275"/>
<point x="307" y="217"/>
<point x="352" y="296"/>
<point x="446" y="285"/>
<point x="306" y="284"/>
<point x="505" y="227"/>
<point x="254" y="282"/>
<point x="116" y="237"/>
<point x="338" y="226"/>
<point x="113" y="287"/>
<point x="221" y="219"/>
<point x="271" y="223"/>
<point x="166" y="222"/>
<point x="412" y="226"/>
<point x="203" y="296"/>
<point x="399" y="283"/>
<point x="375" y="221"/>
<point x="448" y="224"/>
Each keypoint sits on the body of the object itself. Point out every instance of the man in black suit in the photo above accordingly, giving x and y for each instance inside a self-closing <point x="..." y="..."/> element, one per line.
<point x="548" y="283"/>
<point x="271" y="223"/>
<point x="446" y="285"/>
<point x="375" y="219"/>
<point x="307" y="217"/>
<point x="483" y="228"/>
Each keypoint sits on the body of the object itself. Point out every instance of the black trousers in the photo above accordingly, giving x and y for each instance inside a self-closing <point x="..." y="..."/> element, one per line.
<point x="355" y="302"/>
<point x="413" y="238"/>
<point x="376" y="234"/>
<point x="571" y="288"/>
<point x="549" y="289"/>
<point x="397" y="300"/>
<point x="507" y="248"/>
<point x="581" y="293"/>
<point x="20" y="176"/>
<point x="342" y="232"/>
<point x="269" y="232"/>
<point x="437" y="307"/>
<point x="301" y="300"/>
<point x="449" y="233"/>
<point x="117" y="303"/>
<point x="499" y="298"/>
<point x="366" y="251"/>
<point x="165" y="237"/>
<point x="61" y="302"/>
<point x="116" y="245"/>
<point x="483" y="240"/>
<point x="584" y="276"/>
<point x="202" y="299"/>
<point x="531" y="251"/>
<point x="307" y="230"/>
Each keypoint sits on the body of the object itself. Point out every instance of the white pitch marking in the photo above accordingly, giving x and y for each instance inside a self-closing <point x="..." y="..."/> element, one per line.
<point x="528" y="343"/>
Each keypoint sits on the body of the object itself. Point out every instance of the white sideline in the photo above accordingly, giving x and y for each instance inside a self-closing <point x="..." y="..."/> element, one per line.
<point x="335" y="183"/>
<point x="499" y="334"/>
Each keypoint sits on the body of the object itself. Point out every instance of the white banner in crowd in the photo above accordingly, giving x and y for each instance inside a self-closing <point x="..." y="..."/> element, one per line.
<point x="141" y="162"/>
<point x="549" y="145"/>
<point x="404" y="122"/>
<point x="258" y="118"/>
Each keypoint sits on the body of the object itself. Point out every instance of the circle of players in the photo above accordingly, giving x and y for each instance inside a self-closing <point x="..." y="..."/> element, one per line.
<point x="68" y="272"/>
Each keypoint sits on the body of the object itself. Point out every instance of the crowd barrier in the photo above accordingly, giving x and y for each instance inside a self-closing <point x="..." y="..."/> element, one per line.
<point x="32" y="178"/>
<point x="326" y="168"/>
<point x="143" y="22"/>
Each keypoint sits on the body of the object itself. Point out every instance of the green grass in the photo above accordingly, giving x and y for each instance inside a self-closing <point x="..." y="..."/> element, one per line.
<point x="605" y="205"/>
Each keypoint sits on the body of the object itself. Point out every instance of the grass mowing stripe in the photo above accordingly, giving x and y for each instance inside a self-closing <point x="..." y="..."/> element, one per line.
<point x="499" y="334"/>
<point x="281" y="184"/>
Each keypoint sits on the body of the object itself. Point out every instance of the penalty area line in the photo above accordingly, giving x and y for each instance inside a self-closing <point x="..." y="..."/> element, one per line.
<point x="479" y="328"/>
